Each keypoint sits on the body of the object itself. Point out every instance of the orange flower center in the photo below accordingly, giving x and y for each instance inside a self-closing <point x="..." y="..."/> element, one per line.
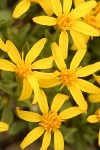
<point x="97" y="8"/>
<point x="91" y="20"/>
<point x="64" y="22"/>
<point x="68" y="77"/>
<point x="23" y="69"/>
<point x="51" y="121"/>
<point x="98" y="114"/>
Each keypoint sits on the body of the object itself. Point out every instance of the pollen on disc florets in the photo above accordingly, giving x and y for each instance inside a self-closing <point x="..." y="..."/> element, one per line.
<point x="64" y="22"/>
<point x="68" y="77"/>
<point x="91" y="20"/>
<point x="23" y="69"/>
<point x="51" y="121"/>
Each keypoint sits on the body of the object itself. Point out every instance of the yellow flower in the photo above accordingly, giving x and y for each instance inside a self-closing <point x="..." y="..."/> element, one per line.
<point x="94" y="119"/>
<point x="50" y="121"/>
<point x="25" y="69"/>
<point x="93" y="17"/>
<point x="71" y="78"/>
<point x="95" y="98"/>
<point x="24" y="5"/>
<point x="3" y="126"/>
<point x="67" y="20"/>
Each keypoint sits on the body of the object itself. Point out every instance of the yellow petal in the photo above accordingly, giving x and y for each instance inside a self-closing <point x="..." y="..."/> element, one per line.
<point x="85" y="28"/>
<point x="13" y="52"/>
<point x="7" y="65"/>
<point x="32" y="136"/>
<point x="92" y="119"/>
<point x="70" y="113"/>
<point x="58" y="101"/>
<point x="57" y="8"/>
<point x="35" y="86"/>
<point x="58" y="140"/>
<point x="46" y="140"/>
<point x="21" y="8"/>
<point x="86" y="86"/>
<point x="28" y="116"/>
<point x="78" y="2"/>
<point x="97" y="78"/>
<point x="88" y="70"/>
<point x="45" y="20"/>
<point x="63" y="43"/>
<point x="42" y="101"/>
<point x="94" y="98"/>
<point x="99" y="138"/>
<point x="58" y="57"/>
<point x="3" y="126"/>
<point x="67" y="6"/>
<point x="77" y="59"/>
<point x="44" y="63"/>
<point x="3" y="45"/>
<point x="35" y="50"/>
<point x="82" y="9"/>
<point x="26" y="90"/>
<point x="46" y="80"/>
<point x="78" y="97"/>
<point x="46" y="5"/>
<point x="78" y="39"/>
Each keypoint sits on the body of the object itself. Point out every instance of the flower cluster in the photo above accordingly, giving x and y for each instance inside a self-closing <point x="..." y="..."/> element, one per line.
<point x="77" y="24"/>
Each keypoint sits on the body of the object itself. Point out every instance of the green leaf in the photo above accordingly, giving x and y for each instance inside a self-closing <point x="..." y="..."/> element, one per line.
<point x="7" y="114"/>
<point x="17" y="127"/>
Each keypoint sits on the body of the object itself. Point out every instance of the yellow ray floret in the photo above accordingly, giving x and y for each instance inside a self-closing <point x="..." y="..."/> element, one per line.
<point x="67" y="20"/>
<point x="24" y="5"/>
<point x="25" y="68"/>
<point x="3" y="126"/>
<point x="71" y="78"/>
<point x="50" y="121"/>
<point x="94" y="119"/>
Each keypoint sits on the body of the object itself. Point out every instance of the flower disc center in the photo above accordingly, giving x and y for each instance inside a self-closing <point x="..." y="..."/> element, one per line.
<point x="68" y="77"/>
<point x="64" y="22"/>
<point x="51" y="121"/>
<point x="23" y="69"/>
